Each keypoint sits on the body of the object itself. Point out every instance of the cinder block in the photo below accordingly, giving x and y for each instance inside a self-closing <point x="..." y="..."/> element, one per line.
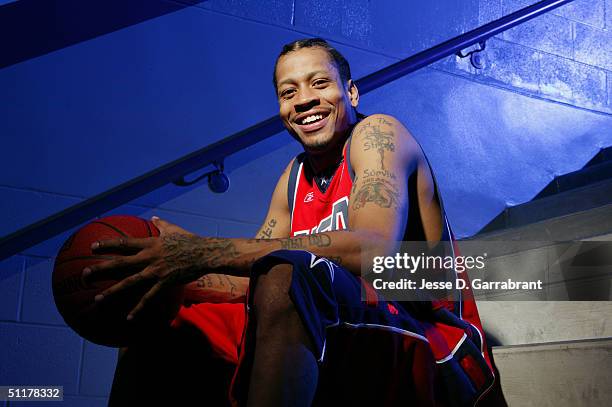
<point x="585" y="11"/>
<point x="23" y="208"/>
<point x="593" y="46"/>
<point x="38" y="355"/>
<point x="609" y="79"/>
<point x="548" y="33"/>
<point x="574" y="82"/>
<point x="589" y="12"/>
<point x="237" y="229"/>
<point x="608" y="9"/>
<point x="514" y="65"/>
<point x="98" y="369"/>
<point x="489" y="10"/>
<point x="38" y="305"/>
<point x="510" y="6"/>
<point x="11" y="275"/>
<point x="341" y="18"/>
<point x="273" y="12"/>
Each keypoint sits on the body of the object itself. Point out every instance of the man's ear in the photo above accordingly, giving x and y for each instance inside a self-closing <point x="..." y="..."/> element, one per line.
<point x="353" y="93"/>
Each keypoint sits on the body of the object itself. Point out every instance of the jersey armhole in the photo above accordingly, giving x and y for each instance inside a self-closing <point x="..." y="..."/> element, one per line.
<point x="292" y="183"/>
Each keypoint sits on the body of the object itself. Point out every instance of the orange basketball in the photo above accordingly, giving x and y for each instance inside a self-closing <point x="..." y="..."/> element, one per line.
<point x="105" y="322"/>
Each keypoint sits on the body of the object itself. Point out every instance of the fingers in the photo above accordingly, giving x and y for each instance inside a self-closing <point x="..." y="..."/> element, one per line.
<point x="166" y="228"/>
<point x="108" y="269"/>
<point x="122" y="244"/>
<point x="145" y="300"/>
<point x="162" y="225"/>
<point x="124" y="284"/>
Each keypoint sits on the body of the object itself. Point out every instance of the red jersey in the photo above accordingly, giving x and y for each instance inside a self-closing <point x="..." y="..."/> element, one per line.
<point x="314" y="210"/>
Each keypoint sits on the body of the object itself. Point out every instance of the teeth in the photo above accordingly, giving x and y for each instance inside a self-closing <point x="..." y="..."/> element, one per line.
<point x="312" y="118"/>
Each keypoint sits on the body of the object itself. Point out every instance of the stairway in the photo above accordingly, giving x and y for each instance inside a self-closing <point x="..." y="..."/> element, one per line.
<point x="553" y="353"/>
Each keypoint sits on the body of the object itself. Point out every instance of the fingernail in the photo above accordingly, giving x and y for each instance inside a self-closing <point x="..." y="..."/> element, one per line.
<point x="154" y="218"/>
<point x="95" y="245"/>
<point x="98" y="297"/>
<point x="130" y="317"/>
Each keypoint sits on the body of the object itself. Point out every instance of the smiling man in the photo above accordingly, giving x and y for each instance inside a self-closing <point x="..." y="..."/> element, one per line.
<point x="308" y="336"/>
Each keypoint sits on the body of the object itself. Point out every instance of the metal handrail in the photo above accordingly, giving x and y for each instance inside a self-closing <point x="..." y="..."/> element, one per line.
<point x="175" y="170"/>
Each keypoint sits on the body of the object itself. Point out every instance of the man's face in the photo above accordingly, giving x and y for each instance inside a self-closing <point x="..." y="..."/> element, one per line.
<point x="315" y="106"/>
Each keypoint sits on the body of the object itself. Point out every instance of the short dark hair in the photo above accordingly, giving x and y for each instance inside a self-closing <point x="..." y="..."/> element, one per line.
<point x="342" y="65"/>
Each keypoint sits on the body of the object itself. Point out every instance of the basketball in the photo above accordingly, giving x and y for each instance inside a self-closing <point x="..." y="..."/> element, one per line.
<point x="105" y="322"/>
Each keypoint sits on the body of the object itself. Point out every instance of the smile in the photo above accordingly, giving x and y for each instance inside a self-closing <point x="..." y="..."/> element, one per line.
<point x="313" y="122"/>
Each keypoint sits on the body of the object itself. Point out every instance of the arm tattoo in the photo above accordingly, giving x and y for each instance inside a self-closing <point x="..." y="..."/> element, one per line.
<point x="377" y="139"/>
<point x="377" y="190"/>
<point x="206" y="282"/>
<point x="303" y="243"/>
<point x="188" y="254"/>
<point x="266" y="230"/>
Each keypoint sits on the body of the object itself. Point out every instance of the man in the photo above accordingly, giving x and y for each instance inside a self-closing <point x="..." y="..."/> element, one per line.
<point x="361" y="181"/>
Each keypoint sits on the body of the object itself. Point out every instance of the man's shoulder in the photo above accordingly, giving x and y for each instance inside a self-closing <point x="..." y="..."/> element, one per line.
<point x="382" y="127"/>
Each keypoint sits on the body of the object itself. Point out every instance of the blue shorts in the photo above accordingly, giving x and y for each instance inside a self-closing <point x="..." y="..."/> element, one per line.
<point x="326" y="295"/>
<point x="359" y="344"/>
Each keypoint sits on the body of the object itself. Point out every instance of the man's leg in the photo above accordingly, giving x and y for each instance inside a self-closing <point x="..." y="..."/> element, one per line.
<point x="285" y="370"/>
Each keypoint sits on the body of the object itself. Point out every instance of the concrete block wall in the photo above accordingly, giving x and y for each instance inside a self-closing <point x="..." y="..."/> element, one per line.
<point x="563" y="56"/>
<point x="88" y="116"/>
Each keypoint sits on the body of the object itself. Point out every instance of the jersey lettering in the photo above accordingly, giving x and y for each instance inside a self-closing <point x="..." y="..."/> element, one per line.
<point x="335" y="221"/>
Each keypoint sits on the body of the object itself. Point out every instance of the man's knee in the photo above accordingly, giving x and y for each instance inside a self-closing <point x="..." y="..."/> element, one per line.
<point x="271" y="301"/>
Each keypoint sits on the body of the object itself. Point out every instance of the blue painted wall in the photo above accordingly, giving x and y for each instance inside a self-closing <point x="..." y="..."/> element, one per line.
<point x="101" y="110"/>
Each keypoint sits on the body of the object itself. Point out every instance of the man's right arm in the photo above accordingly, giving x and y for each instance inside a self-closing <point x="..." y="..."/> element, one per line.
<point x="218" y="288"/>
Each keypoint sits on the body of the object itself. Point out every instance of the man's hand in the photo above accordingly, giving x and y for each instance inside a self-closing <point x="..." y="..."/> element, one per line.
<point x="172" y="258"/>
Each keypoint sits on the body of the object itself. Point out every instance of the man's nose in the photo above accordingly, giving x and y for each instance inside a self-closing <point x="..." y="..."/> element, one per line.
<point x="306" y="99"/>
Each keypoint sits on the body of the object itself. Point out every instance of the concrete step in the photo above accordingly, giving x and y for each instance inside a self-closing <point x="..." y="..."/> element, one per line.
<point x="565" y="203"/>
<point x="575" y="373"/>
<point x="531" y="322"/>
<point x="577" y="179"/>
<point x="579" y="225"/>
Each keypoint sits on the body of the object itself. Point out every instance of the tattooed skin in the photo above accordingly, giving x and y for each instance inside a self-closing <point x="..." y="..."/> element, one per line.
<point x="378" y="191"/>
<point x="266" y="230"/>
<point x="220" y="282"/>
<point x="303" y="243"/>
<point x="377" y="139"/>
<point x="188" y="254"/>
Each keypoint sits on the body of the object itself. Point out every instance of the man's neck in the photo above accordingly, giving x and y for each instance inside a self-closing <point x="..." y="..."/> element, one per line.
<point x="321" y="160"/>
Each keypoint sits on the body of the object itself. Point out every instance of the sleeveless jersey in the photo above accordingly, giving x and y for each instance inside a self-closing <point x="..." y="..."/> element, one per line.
<point x="315" y="211"/>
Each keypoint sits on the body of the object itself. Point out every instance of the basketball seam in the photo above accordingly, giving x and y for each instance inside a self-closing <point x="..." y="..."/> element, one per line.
<point x="112" y="227"/>
<point x="148" y="227"/>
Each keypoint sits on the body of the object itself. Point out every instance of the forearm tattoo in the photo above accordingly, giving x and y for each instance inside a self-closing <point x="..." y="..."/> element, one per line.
<point x="221" y="282"/>
<point x="306" y="242"/>
<point x="191" y="254"/>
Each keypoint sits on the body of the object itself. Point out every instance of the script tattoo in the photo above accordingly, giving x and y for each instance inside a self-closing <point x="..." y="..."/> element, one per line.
<point x="302" y="243"/>
<point x="378" y="139"/>
<point x="266" y="230"/>
<point x="219" y="283"/>
<point x="380" y="191"/>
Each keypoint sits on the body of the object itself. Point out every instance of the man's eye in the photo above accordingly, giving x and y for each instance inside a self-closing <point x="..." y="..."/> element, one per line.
<point x="319" y="82"/>
<point x="287" y="93"/>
